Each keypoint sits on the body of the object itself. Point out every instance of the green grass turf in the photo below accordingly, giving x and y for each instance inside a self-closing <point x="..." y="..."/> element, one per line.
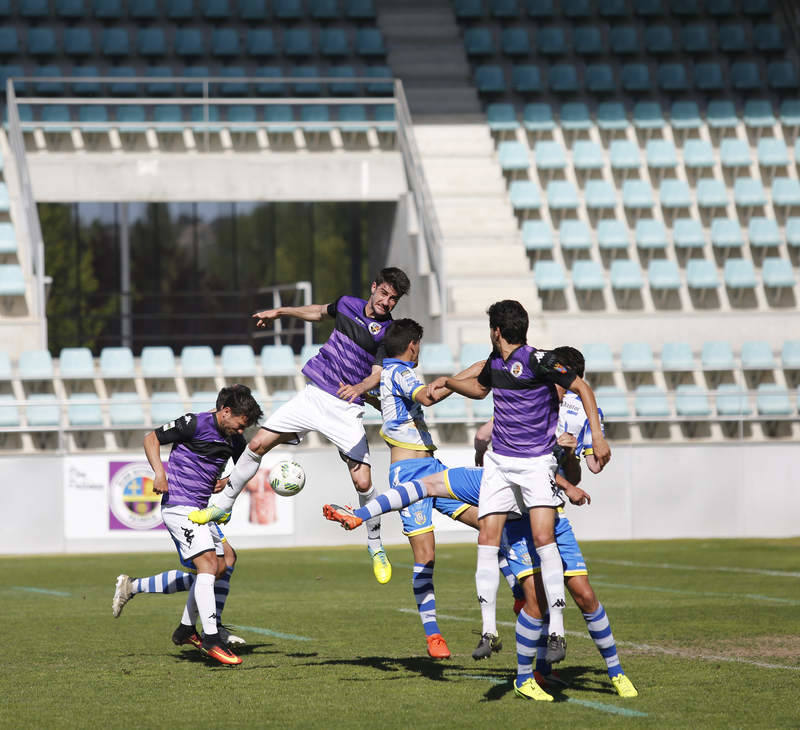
<point x="691" y="637"/>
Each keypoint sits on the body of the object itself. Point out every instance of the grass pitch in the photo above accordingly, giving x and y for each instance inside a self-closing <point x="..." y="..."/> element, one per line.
<point x="707" y="630"/>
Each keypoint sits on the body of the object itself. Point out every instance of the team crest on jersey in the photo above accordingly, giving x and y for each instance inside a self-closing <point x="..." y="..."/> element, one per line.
<point x="420" y="518"/>
<point x="558" y="367"/>
<point x="374" y="328"/>
<point x="516" y="369"/>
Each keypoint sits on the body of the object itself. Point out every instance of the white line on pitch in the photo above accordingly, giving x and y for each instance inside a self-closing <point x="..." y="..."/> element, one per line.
<point x="701" y="568"/>
<point x="707" y="594"/>
<point x="276" y="634"/>
<point x="43" y="591"/>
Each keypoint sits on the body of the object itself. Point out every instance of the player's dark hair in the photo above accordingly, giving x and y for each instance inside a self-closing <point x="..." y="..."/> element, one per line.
<point x="241" y="402"/>
<point x="396" y="278"/>
<point x="401" y="333"/>
<point x="512" y="319"/>
<point x="571" y="358"/>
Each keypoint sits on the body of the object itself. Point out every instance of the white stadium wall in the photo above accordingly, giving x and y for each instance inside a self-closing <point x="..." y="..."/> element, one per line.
<point x="77" y="504"/>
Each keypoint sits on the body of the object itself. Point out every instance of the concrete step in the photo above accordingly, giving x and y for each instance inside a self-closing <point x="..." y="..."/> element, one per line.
<point x="443" y="186"/>
<point x="472" y="297"/>
<point x="464" y="328"/>
<point x="488" y="261"/>
<point x="444" y="102"/>
<point x="492" y="227"/>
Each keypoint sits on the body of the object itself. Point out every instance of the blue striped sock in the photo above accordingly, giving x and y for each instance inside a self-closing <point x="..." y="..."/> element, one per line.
<point x="392" y="500"/>
<point x="541" y="648"/>
<point x="529" y="631"/>
<point x="422" y="582"/>
<point x="222" y="587"/>
<point x="600" y="631"/>
<point x="170" y="581"/>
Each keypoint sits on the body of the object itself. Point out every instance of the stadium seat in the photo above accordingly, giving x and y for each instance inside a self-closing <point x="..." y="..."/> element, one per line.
<point x="356" y="117"/>
<point x="577" y="8"/>
<point x="168" y="118"/>
<point x="574" y="117"/>
<point x="160" y="87"/>
<point x="732" y="38"/>
<point x="8" y="239"/>
<point x="550" y="156"/>
<point x="561" y="195"/>
<point x="260" y="43"/>
<point x="674" y="195"/>
<point x="333" y="43"/>
<point x="777" y="273"/>
<point x="611" y="116"/>
<point x="157" y="362"/>
<point x="122" y="88"/>
<point x="734" y="153"/>
<point x="574" y="236"/>
<point x="502" y="117"/>
<point x="324" y="9"/>
<point x="150" y="42"/>
<point x="280" y="119"/>
<point x="436" y="357"/>
<point x="587" y="276"/>
<point x="767" y="38"/>
<point x="758" y="114"/>
<point x="658" y="40"/>
<point x="598" y="357"/>
<point x="316" y="118"/>
<point x="537" y="236"/>
<point x="563" y="78"/>
<point x="599" y="79"/>
<point x="763" y="233"/>
<point x="720" y="8"/>
<point x="12" y="279"/>
<point x="35" y="365"/>
<point x="712" y="194"/>
<point x="514" y="42"/>
<point x="661" y="154"/>
<point x="51" y="87"/>
<point x="549" y="276"/>
<point x="165" y="407"/>
<point x="203" y="400"/>
<point x="785" y="192"/>
<point x="197" y="361"/>
<point x="216" y="10"/>
<point x="726" y="233"/>
<point x="131" y="119"/>
<point x="360" y="10"/>
<point x="513" y="156"/>
<point x="740" y="274"/>
<point x="612" y="9"/>
<point x="587" y="155"/>
<point x="696" y="38"/>
<point x="637" y="357"/>
<point x="587" y="40"/>
<point x="91" y="117"/>
<point x="550" y="41"/>
<point x="108" y="9"/>
<point x="253" y="10"/>
<point x="41" y="42"/>
<point x="624" y="155"/>
<point x="525" y="195"/>
<point x="651" y="402"/>
<point x="717" y="355"/>
<point x="369" y="42"/>
<point x="83" y="409"/>
<point x="42" y="410"/>
<point x="648" y="115"/>
<point x="238" y="361"/>
<point x="773" y="400"/>
<point x="698" y="154"/>
<point x="637" y="195"/>
<point x="538" y="118"/>
<point x="651" y="235"/>
<point x="685" y="7"/>
<point x="672" y="77"/>
<point x="468" y="9"/>
<point x="757" y="355"/>
<point x="721" y="114"/>
<point x="732" y="400"/>
<point x="490" y="80"/>
<point x="612" y="401"/>
<point x="790" y="355"/>
<point x="691" y="401"/>
<point x="36" y="9"/>
<point x="624" y="40"/>
<point x="9" y="41"/>
<point x="144" y="9"/>
<point x="626" y="275"/>
<point x="635" y="77"/>
<point x="189" y="43"/>
<point x="343" y="87"/>
<point x="225" y="43"/>
<point x="792" y="232"/>
<point x="116" y="362"/>
<point x="126" y="409"/>
<point x="78" y="42"/>
<point x="600" y="195"/>
<point x="782" y="75"/>
<point x="708" y="77"/>
<point x="757" y="7"/>
<point x="472" y="352"/>
<point x="479" y="42"/>
<point x="612" y="235"/>
<point x="90" y="87"/>
<point x="307" y="352"/>
<point x="701" y="274"/>
<point x="685" y="115"/>
<point x="677" y="357"/>
<point x="541" y="8"/>
<point x="748" y="192"/>
<point x="745" y="76"/>
<point x="379" y="87"/>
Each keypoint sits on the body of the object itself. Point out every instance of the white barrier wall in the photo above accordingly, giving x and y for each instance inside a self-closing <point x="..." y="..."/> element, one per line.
<point x="101" y="503"/>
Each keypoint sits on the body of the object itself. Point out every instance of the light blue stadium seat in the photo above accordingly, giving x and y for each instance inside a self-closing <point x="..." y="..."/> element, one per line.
<point x="782" y="75"/>
<point x="537" y="236"/>
<point x="42" y="410"/>
<point x="469" y="9"/>
<point x="562" y="195"/>
<point x="9" y="414"/>
<point x="696" y="38"/>
<point x="685" y="115"/>
<point x="611" y="116"/>
<point x="624" y="40"/>
<point x="600" y="195"/>
<point x="587" y="276"/>
<point x="773" y="400"/>
<point x="5" y="366"/>
<point x="189" y="42"/>
<point x="745" y="76"/>
<point x="598" y="356"/>
<point x="701" y="274"/>
<point x="708" y="76"/>
<point x="717" y="355"/>
<point x="253" y="9"/>
<point x="157" y="362"/>
<point x="116" y="362"/>
<point x="651" y="234"/>
<point x="194" y="88"/>
<point x="721" y="114"/>
<point x="238" y="361"/>
<point x="550" y="156"/>
<point x="637" y="357"/>
<point x="436" y="357"/>
<point x="88" y="87"/>
<point x="165" y="407"/>
<point x="514" y="42"/>
<point x="9" y="41"/>
<point x="479" y="42"/>
<point x="385" y="119"/>
<point x="691" y="401"/>
<point x="625" y="275"/>
<point x="549" y="276"/>
<point x="525" y="195"/>
<point x="674" y="194"/>
<point x="197" y="361"/>
<point x="574" y="235"/>
<point x="356" y="116"/>
<point x="732" y="400"/>
<point x="687" y="233"/>
<point x="83" y="409"/>
<point x="767" y="38"/>
<point x="131" y="118"/>
<point x="41" y="42"/>
<point x="52" y="87"/>
<point x="225" y="43"/>
<point x="472" y="352"/>
<point x="726" y="233"/>
<point x="150" y="42"/>
<point x="612" y="235"/>
<point x="217" y="9"/>
<point x="790" y="355"/>
<point x="757" y="355"/>
<point x="160" y="87"/>
<point x="538" y="117"/>
<point x="168" y="118"/>
<point x="91" y="117"/>
<point x="624" y="155"/>
<point x="748" y="192"/>
<point x="333" y="42"/>
<point x="122" y="88"/>
<point x="126" y="409"/>
<point x="712" y="194"/>
<point x="35" y="365"/>
<point x="242" y="118"/>
<point x="763" y="233"/>
<point x="305" y="88"/>
<point x="483" y="409"/>
<point x="490" y="79"/>
<point x="260" y="43"/>
<point x="740" y="274"/>
<point x="541" y="8"/>
<point x="563" y="78"/>
<point x="758" y="114"/>
<point x="612" y="401"/>
<point x="575" y="117"/>
<point x="672" y="77"/>
<point x="651" y="402"/>
<point x="698" y="154"/>
<point x="369" y="42"/>
<point x="205" y="118"/>
<point x="525" y="79"/>
<point x="502" y="117"/>
<point x="677" y="357"/>
<point x="785" y="192"/>
<point x="379" y="87"/>
<point x="648" y="115"/>
<point x="635" y="77"/>
<point x="587" y="155"/>
<point x="792" y="232"/>
<point x="307" y="352"/>
<point x="587" y="40"/>
<point x="513" y="156"/>
<point x="8" y="239"/>
<point x="661" y="154"/>
<point x="777" y="273"/>
<point x="550" y="41"/>
<point x="57" y="118"/>
<point x="734" y="153"/>
<point x="78" y="42"/>
<point x="4" y="199"/>
<point x="277" y="361"/>
<point x="637" y="195"/>
<point x="599" y="78"/>
<point x="344" y="87"/>
<point x="658" y="40"/>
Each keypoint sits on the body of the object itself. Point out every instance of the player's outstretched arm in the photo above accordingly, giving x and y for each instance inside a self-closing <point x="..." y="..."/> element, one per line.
<point x="600" y="447"/>
<point x="483" y="437"/>
<point x="576" y="495"/>
<point x="308" y="313"/>
<point x="351" y="392"/>
<point x="152" y="450"/>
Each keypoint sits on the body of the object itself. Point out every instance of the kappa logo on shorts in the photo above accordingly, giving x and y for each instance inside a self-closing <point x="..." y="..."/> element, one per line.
<point x="374" y="328"/>
<point x="516" y="369"/>
<point x="188" y="535"/>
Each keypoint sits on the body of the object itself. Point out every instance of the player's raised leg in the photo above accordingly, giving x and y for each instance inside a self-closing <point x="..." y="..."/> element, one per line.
<point x="170" y="581"/>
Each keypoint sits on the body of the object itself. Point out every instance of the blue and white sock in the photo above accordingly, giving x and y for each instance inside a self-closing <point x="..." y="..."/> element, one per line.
<point x="422" y="582"/>
<point x="541" y="648"/>
<point x="373" y="524"/>
<point x="600" y="631"/>
<point x="222" y="587"/>
<point x="392" y="500"/>
<point x="170" y="581"/>
<point x="529" y="630"/>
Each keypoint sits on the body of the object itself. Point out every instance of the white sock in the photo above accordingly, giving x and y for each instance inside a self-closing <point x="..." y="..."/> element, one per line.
<point x="553" y="579"/>
<point x="206" y="602"/>
<point x="243" y="472"/>
<point x="487" y="581"/>
<point x="189" y="617"/>
<point x="373" y="524"/>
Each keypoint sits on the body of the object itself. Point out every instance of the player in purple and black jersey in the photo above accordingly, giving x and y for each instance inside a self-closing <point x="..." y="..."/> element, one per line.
<point x="202" y="443"/>
<point x="346" y="368"/>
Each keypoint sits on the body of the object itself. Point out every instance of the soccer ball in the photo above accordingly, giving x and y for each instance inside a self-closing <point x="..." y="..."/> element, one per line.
<point x="287" y="478"/>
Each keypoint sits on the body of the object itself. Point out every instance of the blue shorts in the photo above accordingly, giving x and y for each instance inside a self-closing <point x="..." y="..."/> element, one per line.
<point x="188" y="564"/>
<point x="417" y="518"/>
<point x="568" y="548"/>
<point x="516" y="546"/>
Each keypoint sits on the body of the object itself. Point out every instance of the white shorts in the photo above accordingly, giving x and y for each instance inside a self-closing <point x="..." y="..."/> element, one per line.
<point x="313" y="409"/>
<point x="191" y="539"/>
<point x="514" y="484"/>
